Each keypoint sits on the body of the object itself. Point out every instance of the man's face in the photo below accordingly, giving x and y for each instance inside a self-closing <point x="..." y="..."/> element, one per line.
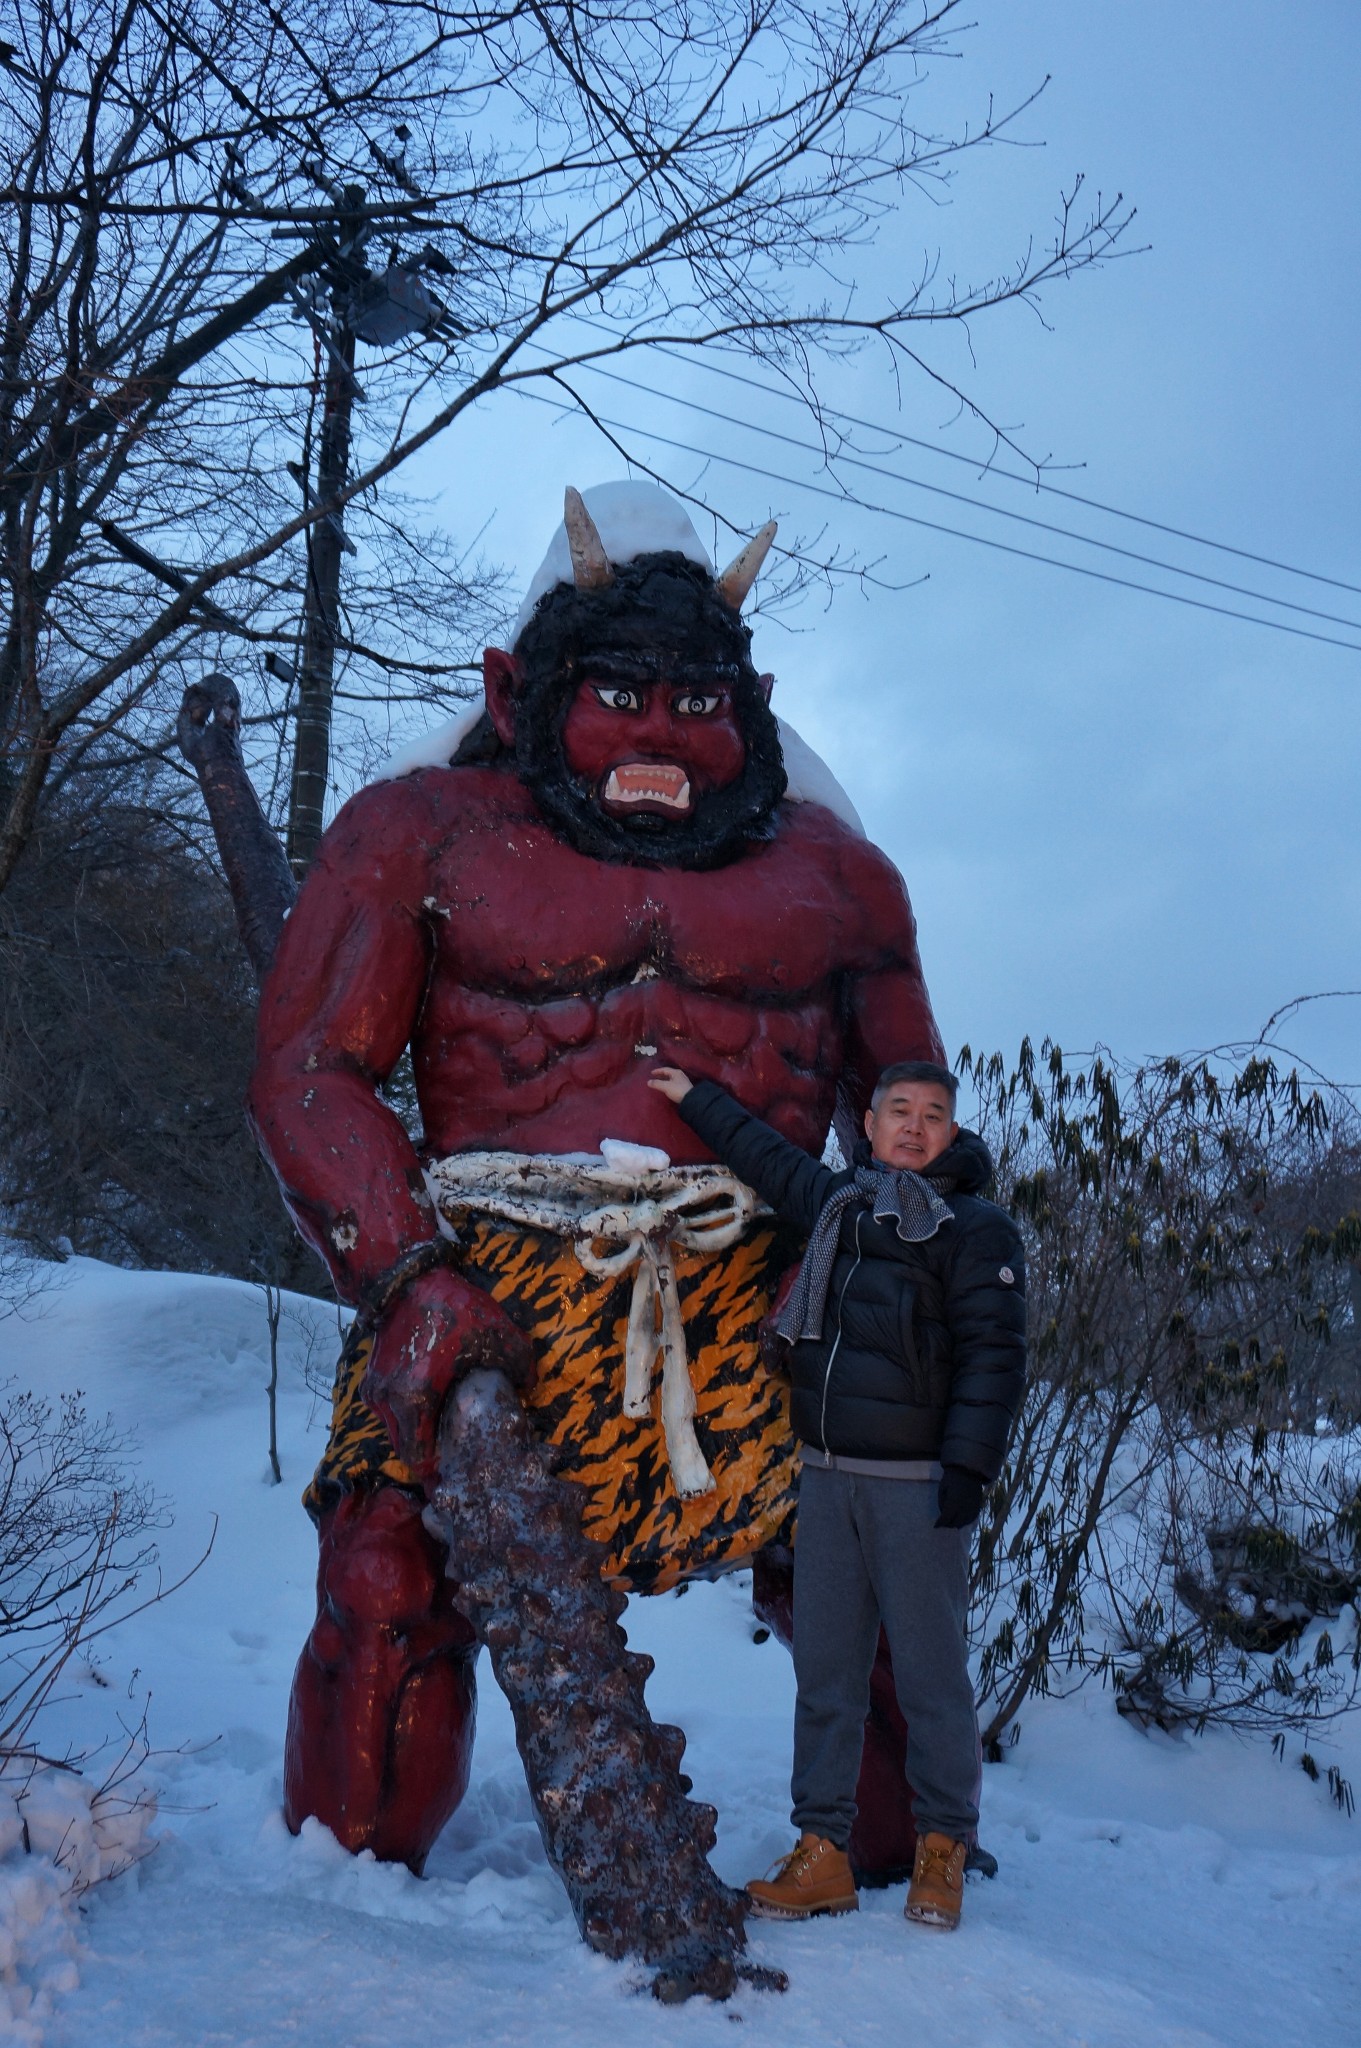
<point x="913" y="1124"/>
<point x="651" y="737"/>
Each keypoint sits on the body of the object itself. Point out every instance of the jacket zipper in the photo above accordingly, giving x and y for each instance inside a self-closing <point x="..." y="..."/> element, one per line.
<point x="831" y="1358"/>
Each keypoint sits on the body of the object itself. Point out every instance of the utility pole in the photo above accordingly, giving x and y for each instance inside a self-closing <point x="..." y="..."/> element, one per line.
<point x="379" y="309"/>
<point x="326" y="542"/>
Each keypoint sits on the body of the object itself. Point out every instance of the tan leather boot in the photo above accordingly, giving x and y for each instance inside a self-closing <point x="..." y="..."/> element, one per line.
<point x="815" y="1877"/>
<point x="935" y="1897"/>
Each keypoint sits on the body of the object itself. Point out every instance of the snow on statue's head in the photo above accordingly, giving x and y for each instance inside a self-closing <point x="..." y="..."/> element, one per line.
<point x="629" y="698"/>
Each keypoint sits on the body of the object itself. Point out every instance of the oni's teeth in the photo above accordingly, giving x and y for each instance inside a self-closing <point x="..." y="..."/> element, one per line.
<point x="677" y="798"/>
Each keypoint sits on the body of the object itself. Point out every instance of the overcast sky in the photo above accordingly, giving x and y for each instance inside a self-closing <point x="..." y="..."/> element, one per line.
<point x="1119" y="819"/>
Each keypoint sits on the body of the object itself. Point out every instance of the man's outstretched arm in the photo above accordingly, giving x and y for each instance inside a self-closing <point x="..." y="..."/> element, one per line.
<point x="794" y="1183"/>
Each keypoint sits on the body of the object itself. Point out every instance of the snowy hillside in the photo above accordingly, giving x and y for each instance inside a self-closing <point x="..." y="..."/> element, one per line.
<point x="1151" y="1892"/>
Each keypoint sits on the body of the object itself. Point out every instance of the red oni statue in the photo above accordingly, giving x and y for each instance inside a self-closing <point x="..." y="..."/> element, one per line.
<point x="620" y="860"/>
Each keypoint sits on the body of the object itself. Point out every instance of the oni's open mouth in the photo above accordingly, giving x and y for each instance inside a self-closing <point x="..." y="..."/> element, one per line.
<point x="647" y="785"/>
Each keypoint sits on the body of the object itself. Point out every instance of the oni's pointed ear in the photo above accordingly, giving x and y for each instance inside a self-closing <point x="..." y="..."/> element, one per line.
<point x="765" y="684"/>
<point x="501" y="682"/>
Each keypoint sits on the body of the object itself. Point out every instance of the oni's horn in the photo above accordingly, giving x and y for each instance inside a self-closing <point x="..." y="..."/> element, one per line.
<point x="590" y="564"/>
<point x="743" y="570"/>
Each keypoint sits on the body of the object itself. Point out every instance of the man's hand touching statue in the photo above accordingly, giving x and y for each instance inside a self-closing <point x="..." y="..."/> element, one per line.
<point x="670" y="1082"/>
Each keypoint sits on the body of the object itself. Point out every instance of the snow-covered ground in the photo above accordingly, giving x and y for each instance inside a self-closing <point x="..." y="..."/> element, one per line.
<point x="1151" y="1892"/>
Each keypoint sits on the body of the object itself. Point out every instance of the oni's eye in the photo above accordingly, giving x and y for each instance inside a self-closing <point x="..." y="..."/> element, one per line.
<point x="696" y="703"/>
<point x="615" y="697"/>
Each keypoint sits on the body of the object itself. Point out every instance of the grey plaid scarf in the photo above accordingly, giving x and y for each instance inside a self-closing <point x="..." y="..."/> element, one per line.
<point x="909" y="1198"/>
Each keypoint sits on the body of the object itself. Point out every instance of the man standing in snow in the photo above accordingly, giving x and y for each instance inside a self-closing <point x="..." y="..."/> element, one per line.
<point x="906" y="1328"/>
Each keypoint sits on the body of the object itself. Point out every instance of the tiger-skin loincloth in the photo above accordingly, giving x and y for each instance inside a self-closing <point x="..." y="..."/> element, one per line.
<point x="578" y="1323"/>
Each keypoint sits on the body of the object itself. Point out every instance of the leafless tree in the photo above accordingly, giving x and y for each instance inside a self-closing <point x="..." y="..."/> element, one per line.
<point x="76" y="1544"/>
<point x="1180" y="1511"/>
<point x="205" y="201"/>
<point x="127" y="1019"/>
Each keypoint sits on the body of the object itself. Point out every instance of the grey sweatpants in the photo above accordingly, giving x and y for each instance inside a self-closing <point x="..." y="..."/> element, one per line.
<point x="867" y="1551"/>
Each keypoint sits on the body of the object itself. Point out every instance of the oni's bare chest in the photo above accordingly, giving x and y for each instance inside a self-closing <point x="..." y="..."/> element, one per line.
<point x="516" y="913"/>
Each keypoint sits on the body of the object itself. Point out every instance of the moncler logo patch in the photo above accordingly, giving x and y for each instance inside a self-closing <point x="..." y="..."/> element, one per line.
<point x="1007" y="1277"/>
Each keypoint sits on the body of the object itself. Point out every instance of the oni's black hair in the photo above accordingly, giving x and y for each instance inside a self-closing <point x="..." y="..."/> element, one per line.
<point x="656" y="601"/>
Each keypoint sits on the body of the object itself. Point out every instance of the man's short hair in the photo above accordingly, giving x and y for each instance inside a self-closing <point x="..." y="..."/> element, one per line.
<point x="915" y="1070"/>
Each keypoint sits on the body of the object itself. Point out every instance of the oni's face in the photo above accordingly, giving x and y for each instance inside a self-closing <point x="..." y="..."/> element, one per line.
<point x="650" y="738"/>
<point x="637" y="721"/>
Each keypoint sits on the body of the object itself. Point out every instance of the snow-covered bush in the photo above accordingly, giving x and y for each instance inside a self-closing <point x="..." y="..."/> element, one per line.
<point x="60" y="1833"/>
<point x="76" y="1547"/>
<point x="1181" y="1509"/>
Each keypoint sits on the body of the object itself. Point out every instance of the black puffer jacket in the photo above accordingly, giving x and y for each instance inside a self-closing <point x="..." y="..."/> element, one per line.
<point x="923" y="1347"/>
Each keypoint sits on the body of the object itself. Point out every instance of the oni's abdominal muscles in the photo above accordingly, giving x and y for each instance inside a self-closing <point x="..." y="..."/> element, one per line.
<point x="540" y="1078"/>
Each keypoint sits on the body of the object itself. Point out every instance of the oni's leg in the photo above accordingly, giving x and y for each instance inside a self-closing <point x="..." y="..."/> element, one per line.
<point x="884" y="1838"/>
<point x="380" y="1723"/>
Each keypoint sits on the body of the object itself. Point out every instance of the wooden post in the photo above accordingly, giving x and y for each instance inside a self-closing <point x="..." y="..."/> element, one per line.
<point x="321" y="612"/>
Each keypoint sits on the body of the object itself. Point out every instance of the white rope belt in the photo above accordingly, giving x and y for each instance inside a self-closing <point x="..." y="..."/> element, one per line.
<point x="627" y="1211"/>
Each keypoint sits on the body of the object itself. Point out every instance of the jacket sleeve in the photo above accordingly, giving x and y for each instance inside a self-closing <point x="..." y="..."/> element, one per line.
<point x="794" y="1183"/>
<point x="985" y="1310"/>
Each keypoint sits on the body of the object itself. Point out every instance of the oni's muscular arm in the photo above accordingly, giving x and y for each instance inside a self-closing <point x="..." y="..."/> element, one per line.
<point x="335" y="1013"/>
<point x="888" y="1014"/>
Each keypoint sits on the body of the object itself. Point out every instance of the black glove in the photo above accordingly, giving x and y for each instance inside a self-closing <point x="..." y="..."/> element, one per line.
<point x="960" y="1498"/>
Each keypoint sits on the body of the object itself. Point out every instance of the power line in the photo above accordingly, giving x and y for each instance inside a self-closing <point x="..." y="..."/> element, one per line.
<point x="692" y="358"/>
<point x="936" y="526"/>
<point x="855" y="461"/>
